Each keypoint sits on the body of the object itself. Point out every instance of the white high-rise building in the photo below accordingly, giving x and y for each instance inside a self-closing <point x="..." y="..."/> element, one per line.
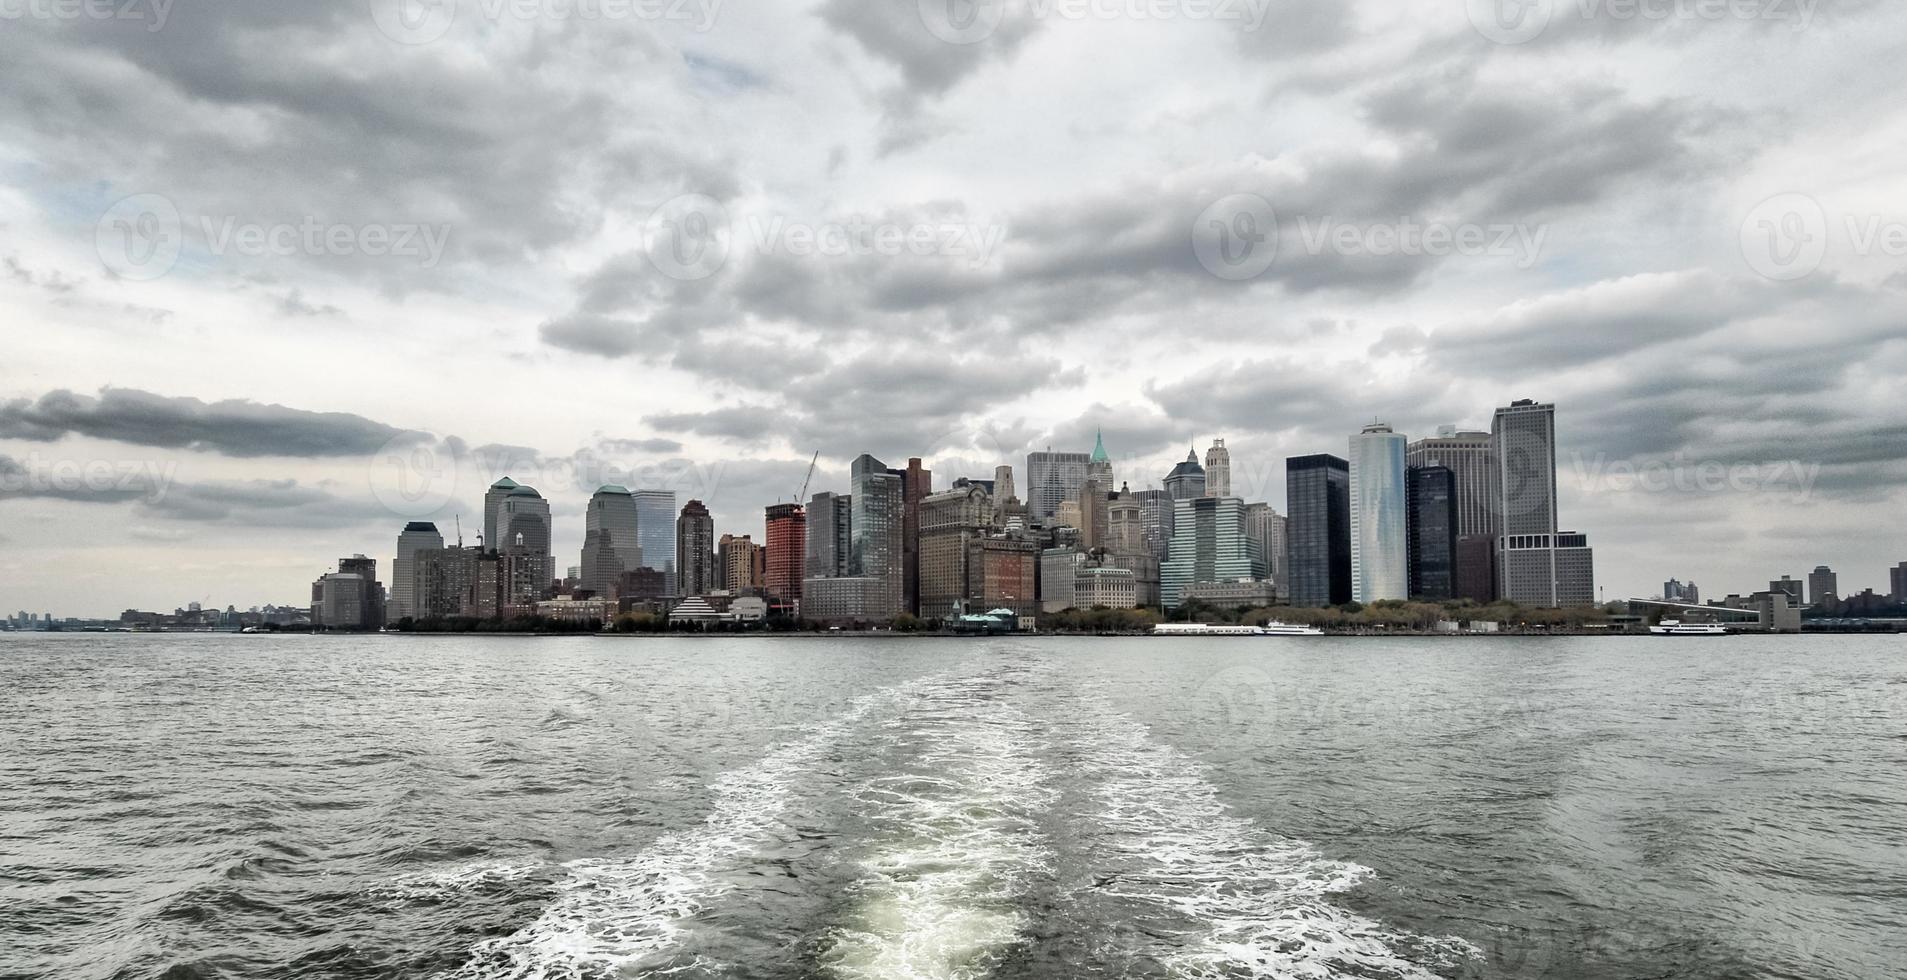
<point x="1218" y="470"/>
<point x="416" y="536"/>
<point x="1380" y="544"/>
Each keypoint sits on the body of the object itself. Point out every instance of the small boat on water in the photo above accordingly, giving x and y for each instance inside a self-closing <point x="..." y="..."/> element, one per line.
<point x="1222" y="629"/>
<point x="1675" y="627"/>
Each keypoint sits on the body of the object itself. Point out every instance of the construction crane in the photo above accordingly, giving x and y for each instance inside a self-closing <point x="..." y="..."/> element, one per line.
<point x="803" y="495"/>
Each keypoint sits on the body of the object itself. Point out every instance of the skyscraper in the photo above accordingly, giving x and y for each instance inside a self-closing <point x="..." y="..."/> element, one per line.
<point x="695" y="549"/>
<point x="916" y="483"/>
<point x="1051" y="478"/>
<point x="522" y="520"/>
<point x="1218" y="470"/>
<point x="1186" y="479"/>
<point x="1471" y="459"/>
<point x="1269" y="526"/>
<point x="1823" y="585"/>
<point x="493" y="510"/>
<point x="1125" y="523"/>
<point x="1209" y="544"/>
<point x="741" y="562"/>
<point x="1537" y="565"/>
<point x="610" y="544"/>
<point x="1433" y="532"/>
<point x="1099" y="464"/>
<point x="1155" y="520"/>
<point x="876" y="516"/>
<point x="1380" y="546"/>
<point x="1003" y="484"/>
<point x="783" y="561"/>
<point x="829" y="535"/>
<point x="655" y="533"/>
<point x="1318" y="529"/>
<point x="1793" y="587"/>
<point x="416" y="536"/>
<point x="1897" y="583"/>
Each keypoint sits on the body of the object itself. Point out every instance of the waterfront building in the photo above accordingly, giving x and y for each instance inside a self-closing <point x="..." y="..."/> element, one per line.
<point x="742" y="563"/>
<point x="949" y="520"/>
<point x="916" y="483"/>
<point x="695" y="550"/>
<point x="655" y="532"/>
<point x="784" y="558"/>
<point x="492" y="512"/>
<point x="1537" y="564"/>
<point x="1058" y="568"/>
<point x="1098" y="586"/>
<point x="1792" y="586"/>
<point x="416" y="536"/>
<point x="829" y="519"/>
<point x="1209" y="544"/>
<point x="342" y="601"/>
<point x="1186" y="480"/>
<point x="1823" y="585"/>
<point x="1897" y="583"/>
<point x="1053" y="477"/>
<point x="1235" y="593"/>
<point x="522" y="521"/>
<point x="1380" y="544"/>
<point x="1125" y="523"/>
<point x="1269" y="527"/>
<point x="1094" y="521"/>
<point x="1218" y="470"/>
<point x="1155" y="520"/>
<point x="1318" y="529"/>
<point x="1432" y="492"/>
<point x="610" y="545"/>
<point x="876" y="517"/>
<point x="1470" y="456"/>
<point x="1144" y="567"/>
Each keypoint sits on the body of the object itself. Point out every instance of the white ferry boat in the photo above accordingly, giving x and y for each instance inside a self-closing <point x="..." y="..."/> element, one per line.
<point x="1675" y="627"/>
<point x="1220" y="629"/>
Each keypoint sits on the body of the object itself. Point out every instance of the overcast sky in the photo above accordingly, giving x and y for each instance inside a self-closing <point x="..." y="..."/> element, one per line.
<point x="277" y="276"/>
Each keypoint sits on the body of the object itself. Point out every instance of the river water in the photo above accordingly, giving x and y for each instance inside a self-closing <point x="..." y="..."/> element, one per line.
<point x="185" y="806"/>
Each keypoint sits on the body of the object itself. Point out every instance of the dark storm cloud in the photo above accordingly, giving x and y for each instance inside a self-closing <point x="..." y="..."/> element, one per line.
<point x="231" y="428"/>
<point x="742" y="423"/>
<point x="1323" y="403"/>
<point x="265" y="503"/>
<point x="913" y="39"/>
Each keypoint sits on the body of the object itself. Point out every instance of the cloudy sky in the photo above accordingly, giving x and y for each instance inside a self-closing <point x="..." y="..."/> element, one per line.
<point x="277" y="276"/>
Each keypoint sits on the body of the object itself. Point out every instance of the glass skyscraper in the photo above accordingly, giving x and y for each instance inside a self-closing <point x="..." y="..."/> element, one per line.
<point x="655" y="533"/>
<point x="1209" y="544"/>
<point x="1317" y="529"/>
<point x="1433" y="532"/>
<point x="1051" y="478"/>
<point x="1380" y="547"/>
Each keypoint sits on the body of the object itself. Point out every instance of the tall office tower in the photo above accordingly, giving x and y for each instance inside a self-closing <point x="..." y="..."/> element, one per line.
<point x="1051" y="478"/>
<point x="1318" y="529"/>
<point x="655" y="532"/>
<point x="1155" y="520"/>
<point x="416" y="536"/>
<point x="949" y="521"/>
<point x="1792" y="586"/>
<point x="1537" y="565"/>
<point x="1218" y="470"/>
<point x="373" y="597"/>
<point x="1186" y="479"/>
<point x="1268" y="526"/>
<point x="522" y="521"/>
<point x="1897" y="583"/>
<point x="1094" y="521"/>
<point x="785" y="557"/>
<point x="876" y="514"/>
<point x="1823" y="585"/>
<point x="1471" y="459"/>
<point x="741" y="561"/>
<point x="1470" y="456"/>
<point x="829" y="541"/>
<point x="610" y="540"/>
<point x="1209" y="544"/>
<point x="492" y="510"/>
<point x="443" y="582"/>
<point x="1380" y="543"/>
<point x="916" y="484"/>
<point x="1433" y="532"/>
<point x="1003" y="484"/>
<point x="1099" y="465"/>
<point x="1125" y="523"/>
<point x="341" y="600"/>
<point x="695" y="549"/>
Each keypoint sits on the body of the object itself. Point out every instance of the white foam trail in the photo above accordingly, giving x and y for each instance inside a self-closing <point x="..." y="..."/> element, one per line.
<point x="956" y="846"/>
<point x="1255" y="904"/>
<point x="435" y="884"/>
<point x="621" y="916"/>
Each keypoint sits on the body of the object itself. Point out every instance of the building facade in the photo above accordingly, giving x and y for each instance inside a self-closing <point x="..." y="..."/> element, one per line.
<point x="1380" y="542"/>
<point x="1537" y="564"/>
<point x="741" y="561"/>
<point x="1051" y="478"/>
<point x="695" y="549"/>
<point x="1218" y="470"/>
<point x="1823" y="585"/>
<point x="1432" y="492"/>
<point x="876" y="516"/>
<point x="784" y="558"/>
<point x="610" y="545"/>
<point x="830" y="542"/>
<point x="1209" y="544"/>
<point x="1186" y="480"/>
<point x="1269" y="527"/>
<point x="417" y="536"/>
<point x="655" y="532"/>
<point x="1318" y="529"/>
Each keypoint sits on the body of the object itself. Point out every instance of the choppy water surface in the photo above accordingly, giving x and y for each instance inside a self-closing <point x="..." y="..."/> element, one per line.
<point x="490" y="808"/>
